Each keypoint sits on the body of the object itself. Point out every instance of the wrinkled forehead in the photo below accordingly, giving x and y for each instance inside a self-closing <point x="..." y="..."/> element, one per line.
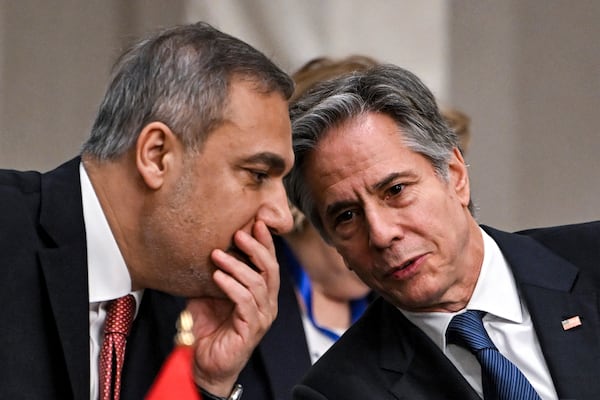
<point x="359" y="152"/>
<point x="340" y="153"/>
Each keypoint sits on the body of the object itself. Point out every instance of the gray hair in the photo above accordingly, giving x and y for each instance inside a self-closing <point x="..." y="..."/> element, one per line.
<point x="386" y="89"/>
<point x="179" y="76"/>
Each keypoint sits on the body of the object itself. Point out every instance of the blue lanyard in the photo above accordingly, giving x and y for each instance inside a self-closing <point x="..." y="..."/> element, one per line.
<point x="302" y="282"/>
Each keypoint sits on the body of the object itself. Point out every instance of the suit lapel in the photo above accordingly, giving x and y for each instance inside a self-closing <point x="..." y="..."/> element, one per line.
<point x="555" y="290"/>
<point x="284" y="364"/>
<point x="150" y="342"/>
<point x="571" y="355"/>
<point x="414" y="366"/>
<point x="64" y="267"/>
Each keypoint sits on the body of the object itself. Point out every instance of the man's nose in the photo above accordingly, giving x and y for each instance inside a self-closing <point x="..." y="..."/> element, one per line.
<point x="276" y="212"/>
<point x="383" y="227"/>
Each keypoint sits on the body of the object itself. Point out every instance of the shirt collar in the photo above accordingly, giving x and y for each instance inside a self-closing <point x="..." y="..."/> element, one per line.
<point x="495" y="293"/>
<point x="496" y="290"/>
<point x="108" y="276"/>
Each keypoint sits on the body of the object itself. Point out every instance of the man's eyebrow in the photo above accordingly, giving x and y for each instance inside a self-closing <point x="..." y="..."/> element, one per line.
<point x="389" y="179"/>
<point x="271" y="160"/>
<point x="336" y="207"/>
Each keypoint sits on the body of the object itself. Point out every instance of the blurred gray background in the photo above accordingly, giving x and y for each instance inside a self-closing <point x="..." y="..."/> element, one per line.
<point x="527" y="72"/>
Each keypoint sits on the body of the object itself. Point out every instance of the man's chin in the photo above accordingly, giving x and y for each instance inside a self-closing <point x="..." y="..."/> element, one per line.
<point x="196" y="287"/>
<point x="209" y="291"/>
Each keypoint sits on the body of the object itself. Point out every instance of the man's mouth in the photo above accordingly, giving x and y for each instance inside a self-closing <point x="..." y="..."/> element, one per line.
<point x="405" y="268"/>
<point x="406" y="264"/>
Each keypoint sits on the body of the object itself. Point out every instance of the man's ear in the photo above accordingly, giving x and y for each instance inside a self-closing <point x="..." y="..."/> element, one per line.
<point x="156" y="153"/>
<point x="459" y="177"/>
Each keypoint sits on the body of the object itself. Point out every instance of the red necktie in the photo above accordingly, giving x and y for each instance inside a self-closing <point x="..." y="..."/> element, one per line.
<point x="119" y="318"/>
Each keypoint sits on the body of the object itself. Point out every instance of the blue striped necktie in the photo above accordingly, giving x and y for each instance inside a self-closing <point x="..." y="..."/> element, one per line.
<point x="501" y="379"/>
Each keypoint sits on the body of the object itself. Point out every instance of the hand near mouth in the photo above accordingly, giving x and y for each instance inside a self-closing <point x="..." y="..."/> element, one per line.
<point x="227" y="330"/>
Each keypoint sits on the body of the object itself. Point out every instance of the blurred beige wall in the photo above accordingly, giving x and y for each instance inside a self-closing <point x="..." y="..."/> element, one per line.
<point x="527" y="72"/>
<point x="55" y="58"/>
<point x="410" y="33"/>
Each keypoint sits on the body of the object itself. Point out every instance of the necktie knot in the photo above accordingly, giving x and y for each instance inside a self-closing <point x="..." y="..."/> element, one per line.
<point x="467" y="330"/>
<point x="119" y="315"/>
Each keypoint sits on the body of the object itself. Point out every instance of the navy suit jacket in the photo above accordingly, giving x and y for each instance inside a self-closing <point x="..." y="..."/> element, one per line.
<point x="384" y="356"/>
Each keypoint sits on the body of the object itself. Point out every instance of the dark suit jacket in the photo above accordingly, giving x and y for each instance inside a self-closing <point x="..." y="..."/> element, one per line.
<point x="384" y="356"/>
<point x="281" y="359"/>
<point x="44" y="333"/>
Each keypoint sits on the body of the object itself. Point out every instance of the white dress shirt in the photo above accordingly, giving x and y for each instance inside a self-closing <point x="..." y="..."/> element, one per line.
<point x="507" y="322"/>
<point x="318" y="343"/>
<point x="108" y="276"/>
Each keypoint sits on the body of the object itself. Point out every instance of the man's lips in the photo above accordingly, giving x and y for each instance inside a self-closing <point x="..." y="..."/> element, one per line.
<point x="407" y="268"/>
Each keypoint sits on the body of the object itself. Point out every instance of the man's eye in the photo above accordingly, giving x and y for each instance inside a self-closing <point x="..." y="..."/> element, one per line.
<point x="259" y="176"/>
<point x="344" y="217"/>
<point x="396" y="189"/>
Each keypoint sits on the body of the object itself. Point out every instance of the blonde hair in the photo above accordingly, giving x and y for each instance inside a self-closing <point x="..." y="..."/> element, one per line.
<point x="460" y="123"/>
<point x="323" y="68"/>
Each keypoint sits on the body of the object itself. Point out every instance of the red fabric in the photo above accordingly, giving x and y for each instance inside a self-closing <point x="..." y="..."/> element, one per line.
<point x="175" y="380"/>
<point x="119" y="318"/>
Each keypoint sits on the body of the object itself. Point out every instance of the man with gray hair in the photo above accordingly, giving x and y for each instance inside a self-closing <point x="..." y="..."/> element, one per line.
<point x="174" y="197"/>
<point x="466" y="311"/>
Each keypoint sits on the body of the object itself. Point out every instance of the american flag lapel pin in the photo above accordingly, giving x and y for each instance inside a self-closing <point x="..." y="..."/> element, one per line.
<point x="571" y="323"/>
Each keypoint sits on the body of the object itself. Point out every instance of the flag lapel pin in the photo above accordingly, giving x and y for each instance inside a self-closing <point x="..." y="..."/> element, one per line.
<point x="571" y="323"/>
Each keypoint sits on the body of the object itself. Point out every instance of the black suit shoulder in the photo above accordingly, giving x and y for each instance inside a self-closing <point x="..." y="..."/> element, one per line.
<point x="22" y="199"/>
<point x="587" y="233"/>
<point x="19" y="210"/>
<point x="577" y="243"/>
<point x="22" y="181"/>
<point x="19" y="197"/>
